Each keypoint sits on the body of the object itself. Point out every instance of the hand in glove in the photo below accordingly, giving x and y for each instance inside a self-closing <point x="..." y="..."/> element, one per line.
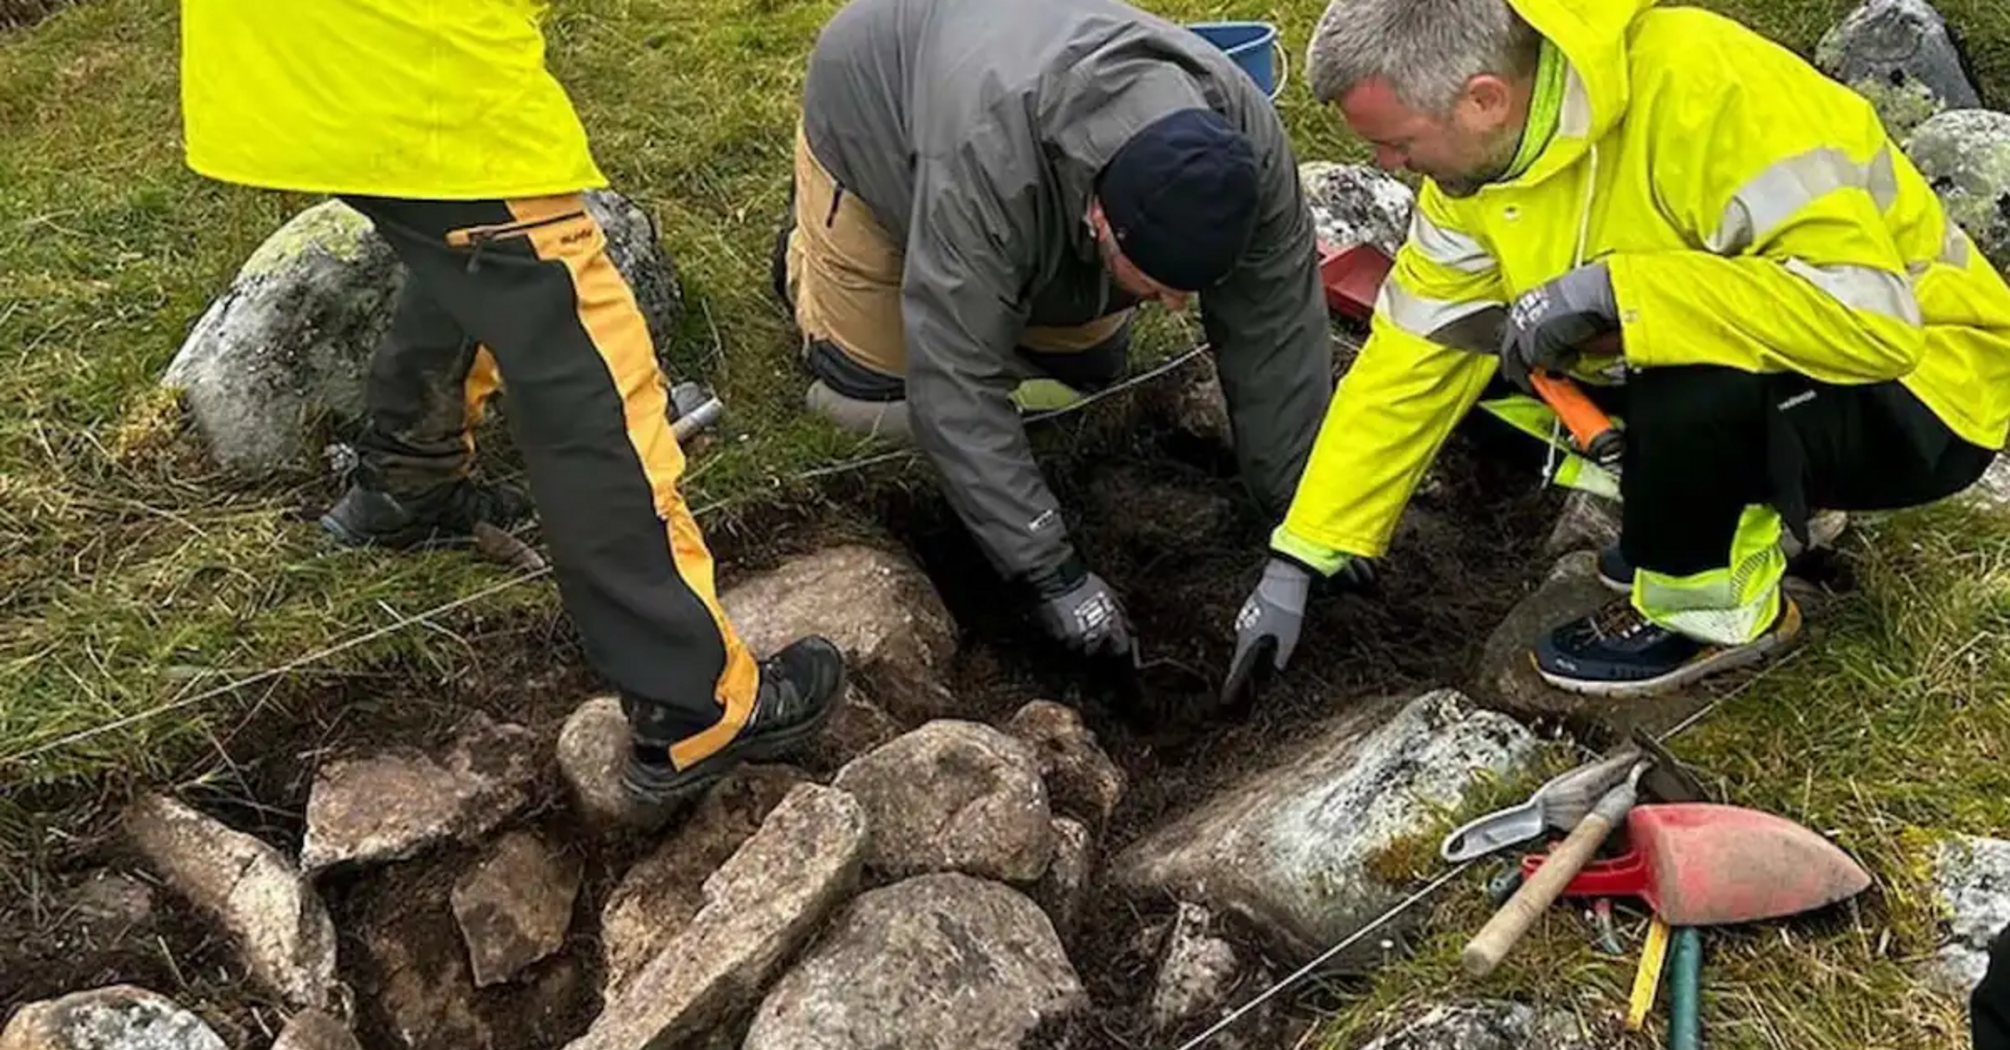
<point x="1272" y="617"/>
<point x="1080" y="611"/>
<point x="1550" y="324"/>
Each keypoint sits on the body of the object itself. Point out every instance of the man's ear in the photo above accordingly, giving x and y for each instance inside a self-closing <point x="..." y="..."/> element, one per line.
<point x="1490" y="97"/>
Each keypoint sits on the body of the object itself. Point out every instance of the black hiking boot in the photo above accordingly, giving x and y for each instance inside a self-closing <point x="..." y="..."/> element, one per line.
<point x="366" y="517"/>
<point x="800" y="687"/>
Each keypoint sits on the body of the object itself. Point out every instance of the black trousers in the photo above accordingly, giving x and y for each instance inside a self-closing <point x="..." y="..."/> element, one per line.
<point x="1989" y="1004"/>
<point x="1702" y="443"/>
<point x="530" y="283"/>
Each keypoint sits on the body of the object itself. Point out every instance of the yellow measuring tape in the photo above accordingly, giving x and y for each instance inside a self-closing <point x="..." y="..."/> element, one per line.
<point x="1652" y="955"/>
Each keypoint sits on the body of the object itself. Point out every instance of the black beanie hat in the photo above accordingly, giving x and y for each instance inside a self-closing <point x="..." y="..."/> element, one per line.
<point x="1180" y="197"/>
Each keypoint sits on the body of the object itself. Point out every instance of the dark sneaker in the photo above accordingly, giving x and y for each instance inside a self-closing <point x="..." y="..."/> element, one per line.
<point x="800" y="687"/>
<point x="1824" y="528"/>
<point x="366" y="517"/>
<point x="1617" y="652"/>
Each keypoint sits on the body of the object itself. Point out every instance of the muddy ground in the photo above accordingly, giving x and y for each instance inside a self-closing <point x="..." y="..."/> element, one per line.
<point x="1157" y="513"/>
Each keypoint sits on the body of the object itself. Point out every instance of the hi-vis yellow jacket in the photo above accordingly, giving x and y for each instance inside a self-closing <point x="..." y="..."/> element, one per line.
<point x="1753" y="215"/>
<point x="428" y="99"/>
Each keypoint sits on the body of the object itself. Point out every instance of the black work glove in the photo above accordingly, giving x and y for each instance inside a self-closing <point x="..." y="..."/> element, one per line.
<point x="1080" y="611"/>
<point x="1550" y="324"/>
<point x="1270" y="620"/>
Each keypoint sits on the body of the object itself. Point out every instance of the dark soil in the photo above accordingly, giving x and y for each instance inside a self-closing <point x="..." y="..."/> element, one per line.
<point x="20" y="14"/>
<point x="1158" y="515"/>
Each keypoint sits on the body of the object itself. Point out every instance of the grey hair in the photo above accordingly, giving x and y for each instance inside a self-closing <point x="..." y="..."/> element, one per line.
<point x="1425" y="49"/>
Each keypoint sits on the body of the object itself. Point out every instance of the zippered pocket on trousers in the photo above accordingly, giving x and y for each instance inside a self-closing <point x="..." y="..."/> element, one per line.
<point x="480" y="237"/>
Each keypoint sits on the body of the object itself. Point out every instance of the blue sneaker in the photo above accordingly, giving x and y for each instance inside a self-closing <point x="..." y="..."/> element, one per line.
<point x="1617" y="652"/>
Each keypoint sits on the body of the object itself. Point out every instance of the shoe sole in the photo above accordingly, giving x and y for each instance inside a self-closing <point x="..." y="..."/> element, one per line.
<point x="1725" y="660"/>
<point x="768" y="748"/>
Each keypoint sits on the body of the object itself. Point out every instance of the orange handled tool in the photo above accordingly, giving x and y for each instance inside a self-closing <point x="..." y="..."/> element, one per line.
<point x="1589" y="426"/>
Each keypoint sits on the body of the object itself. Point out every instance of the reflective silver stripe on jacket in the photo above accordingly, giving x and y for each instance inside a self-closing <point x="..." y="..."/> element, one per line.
<point x="1449" y="248"/>
<point x="1863" y="288"/>
<point x="1777" y="193"/>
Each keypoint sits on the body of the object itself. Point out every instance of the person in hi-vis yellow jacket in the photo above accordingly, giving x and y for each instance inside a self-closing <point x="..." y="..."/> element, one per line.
<point x="439" y="123"/>
<point x="1710" y="237"/>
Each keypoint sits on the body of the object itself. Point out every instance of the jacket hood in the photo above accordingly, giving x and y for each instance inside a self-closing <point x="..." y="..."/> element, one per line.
<point x="1592" y="35"/>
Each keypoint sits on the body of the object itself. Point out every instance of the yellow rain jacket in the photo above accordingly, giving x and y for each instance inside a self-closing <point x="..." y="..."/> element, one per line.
<point x="1753" y="215"/>
<point x="422" y="99"/>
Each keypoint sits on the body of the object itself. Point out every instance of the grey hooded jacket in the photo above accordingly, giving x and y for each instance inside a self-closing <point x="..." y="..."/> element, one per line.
<point x="974" y="130"/>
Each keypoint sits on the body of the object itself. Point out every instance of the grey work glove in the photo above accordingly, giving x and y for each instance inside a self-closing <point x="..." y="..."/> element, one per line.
<point x="1550" y="324"/>
<point x="1078" y="609"/>
<point x="1271" y="618"/>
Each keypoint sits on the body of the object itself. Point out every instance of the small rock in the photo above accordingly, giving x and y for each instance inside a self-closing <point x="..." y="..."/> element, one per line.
<point x="759" y="910"/>
<point x="1062" y="891"/>
<point x="282" y="930"/>
<point x="661" y="893"/>
<point x="1506" y="679"/>
<point x="954" y="796"/>
<point x="1489" y="1026"/>
<point x="1197" y="975"/>
<point x="1200" y="409"/>
<point x="1354" y="204"/>
<point x="393" y="805"/>
<point x="1587" y="523"/>
<point x="875" y="605"/>
<point x="1081" y="779"/>
<point x="1898" y="54"/>
<point x="112" y="901"/>
<point x="1972" y="877"/>
<point x="1965" y="155"/>
<point x="939" y="962"/>
<point x="288" y="344"/>
<point x="1290" y="848"/>
<point x="314" y="1030"/>
<point x="118" y="1017"/>
<point x="591" y="749"/>
<point x="514" y="907"/>
<point x="1994" y="489"/>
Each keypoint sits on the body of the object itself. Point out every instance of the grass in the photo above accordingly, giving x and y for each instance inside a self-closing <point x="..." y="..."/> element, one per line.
<point x="134" y="582"/>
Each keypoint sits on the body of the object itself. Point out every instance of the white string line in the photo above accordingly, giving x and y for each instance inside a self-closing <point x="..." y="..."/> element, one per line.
<point x="403" y="622"/>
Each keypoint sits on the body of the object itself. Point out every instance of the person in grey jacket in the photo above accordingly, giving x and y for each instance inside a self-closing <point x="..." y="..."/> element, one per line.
<point x="983" y="193"/>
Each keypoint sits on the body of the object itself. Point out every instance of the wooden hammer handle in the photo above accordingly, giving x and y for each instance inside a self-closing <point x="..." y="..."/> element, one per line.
<point x="1502" y="932"/>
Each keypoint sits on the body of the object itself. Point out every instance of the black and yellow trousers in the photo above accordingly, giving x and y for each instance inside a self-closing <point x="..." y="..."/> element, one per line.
<point x="523" y="292"/>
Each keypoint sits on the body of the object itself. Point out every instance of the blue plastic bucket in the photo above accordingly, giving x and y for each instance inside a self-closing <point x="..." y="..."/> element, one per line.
<point x="1253" y="46"/>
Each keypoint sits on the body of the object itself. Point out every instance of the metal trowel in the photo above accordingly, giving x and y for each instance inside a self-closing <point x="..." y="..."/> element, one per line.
<point x="1563" y="801"/>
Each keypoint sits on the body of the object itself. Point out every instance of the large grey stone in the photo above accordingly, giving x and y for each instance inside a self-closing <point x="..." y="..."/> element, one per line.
<point x="1506" y="679"/>
<point x="1356" y="204"/>
<point x="281" y="928"/>
<point x="1586" y="523"/>
<point x="1972" y="877"/>
<point x="314" y="1030"/>
<point x="875" y="605"/>
<point x="1081" y="779"/>
<point x="939" y="962"/>
<point x="1290" y="847"/>
<point x="1491" y="1025"/>
<point x="954" y="796"/>
<point x="1993" y="491"/>
<point x="662" y="892"/>
<point x="591" y="748"/>
<point x="119" y="1017"/>
<point x="759" y="910"/>
<point x="284" y="351"/>
<point x="1965" y="155"/>
<point x="392" y="805"/>
<point x="1898" y="54"/>
<point x="514" y="907"/>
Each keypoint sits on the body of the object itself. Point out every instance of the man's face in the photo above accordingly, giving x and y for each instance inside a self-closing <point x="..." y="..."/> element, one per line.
<point x="1461" y="151"/>
<point x="1127" y="275"/>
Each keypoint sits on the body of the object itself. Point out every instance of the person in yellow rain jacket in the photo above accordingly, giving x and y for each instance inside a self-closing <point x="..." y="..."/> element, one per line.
<point x="439" y="122"/>
<point x="1697" y="227"/>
